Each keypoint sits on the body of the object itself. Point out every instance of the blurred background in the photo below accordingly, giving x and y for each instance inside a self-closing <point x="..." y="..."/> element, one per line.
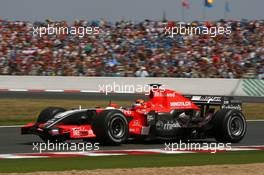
<point x="132" y="41"/>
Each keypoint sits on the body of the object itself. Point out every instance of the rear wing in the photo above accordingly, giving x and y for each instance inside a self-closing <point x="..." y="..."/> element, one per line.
<point x="224" y="102"/>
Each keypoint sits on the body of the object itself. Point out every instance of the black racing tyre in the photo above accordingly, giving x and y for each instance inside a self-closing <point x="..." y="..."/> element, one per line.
<point x="49" y="113"/>
<point x="43" y="117"/>
<point x="229" y="125"/>
<point x="110" y="127"/>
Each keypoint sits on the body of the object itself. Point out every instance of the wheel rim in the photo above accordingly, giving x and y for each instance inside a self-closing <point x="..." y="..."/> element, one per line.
<point x="236" y="126"/>
<point x="117" y="128"/>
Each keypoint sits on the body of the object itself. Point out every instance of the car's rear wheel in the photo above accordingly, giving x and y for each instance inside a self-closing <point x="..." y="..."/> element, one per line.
<point x="229" y="125"/>
<point x="111" y="127"/>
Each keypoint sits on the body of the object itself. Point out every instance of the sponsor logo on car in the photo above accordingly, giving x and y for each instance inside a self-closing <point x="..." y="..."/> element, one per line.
<point x="136" y="123"/>
<point x="79" y="132"/>
<point x="207" y="99"/>
<point x="159" y="125"/>
<point x="171" y="126"/>
<point x="150" y="118"/>
<point x="232" y="106"/>
<point x="162" y="94"/>
<point x="181" y="103"/>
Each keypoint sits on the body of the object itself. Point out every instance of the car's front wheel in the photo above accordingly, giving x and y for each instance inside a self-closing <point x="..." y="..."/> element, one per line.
<point x="111" y="127"/>
<point x="49" y="113"/>
<point x="45" y="115"/>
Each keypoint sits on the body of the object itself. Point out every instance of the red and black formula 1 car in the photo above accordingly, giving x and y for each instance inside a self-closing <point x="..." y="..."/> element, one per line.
<point x="167" y="114"/>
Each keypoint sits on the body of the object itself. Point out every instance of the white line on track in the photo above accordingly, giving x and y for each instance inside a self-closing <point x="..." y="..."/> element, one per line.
<point x="11" y="126"/>
<point x="89" y="91"/>
<point x="255" y="120"/>
<point x="18" y="90"/>
<point x="53" y="90"/>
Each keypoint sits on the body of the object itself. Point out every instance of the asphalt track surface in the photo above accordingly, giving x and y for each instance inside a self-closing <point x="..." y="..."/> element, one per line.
<point x="11" y="141"/>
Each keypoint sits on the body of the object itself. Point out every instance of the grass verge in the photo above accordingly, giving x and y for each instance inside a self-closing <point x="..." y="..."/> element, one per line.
<point x="131" y="161"/>
<point x="21" y="111"/>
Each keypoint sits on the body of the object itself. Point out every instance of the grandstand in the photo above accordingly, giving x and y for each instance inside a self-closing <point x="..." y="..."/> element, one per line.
<point x="128" y="48"/>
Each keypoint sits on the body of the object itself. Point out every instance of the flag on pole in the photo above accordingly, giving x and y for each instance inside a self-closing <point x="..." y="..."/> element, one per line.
<point x="185" y="4"/>
<point x="227" y="8"/>
<point x="208" y="3"/>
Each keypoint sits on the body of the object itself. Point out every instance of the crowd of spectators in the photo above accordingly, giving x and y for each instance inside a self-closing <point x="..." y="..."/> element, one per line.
<point x="128" y="48"/>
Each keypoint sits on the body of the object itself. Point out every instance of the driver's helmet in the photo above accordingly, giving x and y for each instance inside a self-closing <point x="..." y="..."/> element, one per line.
<point x="139" y="102"/>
